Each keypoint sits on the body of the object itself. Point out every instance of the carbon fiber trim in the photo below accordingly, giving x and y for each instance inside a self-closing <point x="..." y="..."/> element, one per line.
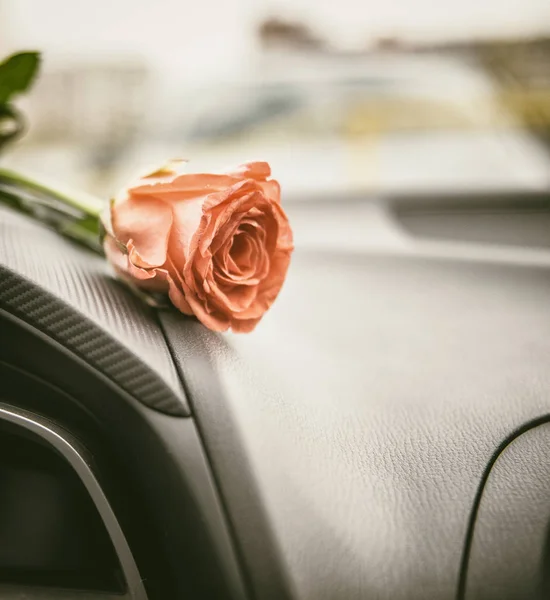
<point x="68" y="294"/>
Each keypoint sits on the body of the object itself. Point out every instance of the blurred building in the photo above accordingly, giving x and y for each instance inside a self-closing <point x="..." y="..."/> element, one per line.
<point x="351" y="95"/>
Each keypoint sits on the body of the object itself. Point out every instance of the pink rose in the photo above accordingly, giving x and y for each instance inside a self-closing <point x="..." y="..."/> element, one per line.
<point x="218" y="244"/>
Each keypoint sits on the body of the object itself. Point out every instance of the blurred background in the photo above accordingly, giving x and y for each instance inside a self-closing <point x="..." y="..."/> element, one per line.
<point x="345" y="99"/>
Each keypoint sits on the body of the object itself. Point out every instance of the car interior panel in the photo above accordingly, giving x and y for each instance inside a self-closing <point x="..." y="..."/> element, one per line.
<point x="386" y="439"/>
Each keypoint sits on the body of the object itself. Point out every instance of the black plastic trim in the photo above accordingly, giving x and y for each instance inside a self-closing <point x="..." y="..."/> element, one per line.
<point x="76" y="455"/>
<point x="63" y="323"/>
<point x="161" y="454"/>
<point x="463" y="577"/>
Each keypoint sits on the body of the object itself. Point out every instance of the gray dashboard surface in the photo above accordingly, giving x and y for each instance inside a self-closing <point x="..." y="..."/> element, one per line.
<point x="351" y="431"/>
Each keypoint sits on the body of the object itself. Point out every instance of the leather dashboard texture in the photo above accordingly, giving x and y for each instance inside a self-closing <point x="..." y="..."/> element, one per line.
<point x="352" y="437"/>
<point x="353" y="428"/>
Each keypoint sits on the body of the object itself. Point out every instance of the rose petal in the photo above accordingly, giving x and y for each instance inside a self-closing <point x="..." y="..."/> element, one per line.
<point x="244" y="258"/>
<point x="213" y="320"/>
<point x="226" y="229"/>
<point x="184" y="186"/>
<point x="231" y="194"/>
<point x="147" y="222"/>
<point x="217" y="216"/>
<point x="259" y="170"/>
<point x="187" y="218"/>
<point x="244" y="325"/>
<point x="270" y="287"/>
<point x="219" y="224"/>
<point x="241" y="250"/>
<point x="175" y="291"/>
<point x="236" y="299"/>
<point x="272" y="190"/>
<point x="115" y="255"/>
<point x="284" y="236"/>
<point x="152" y="280"/>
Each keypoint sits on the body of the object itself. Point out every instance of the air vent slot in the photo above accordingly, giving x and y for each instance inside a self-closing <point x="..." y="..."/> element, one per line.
<point x="51" y="533"/>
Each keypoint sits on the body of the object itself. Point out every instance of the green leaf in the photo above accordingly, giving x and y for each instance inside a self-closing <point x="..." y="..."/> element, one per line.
<point x="17" y="73"/>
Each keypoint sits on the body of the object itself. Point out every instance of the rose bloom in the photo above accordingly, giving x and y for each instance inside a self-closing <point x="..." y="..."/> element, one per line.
<point x="218" y="244"/>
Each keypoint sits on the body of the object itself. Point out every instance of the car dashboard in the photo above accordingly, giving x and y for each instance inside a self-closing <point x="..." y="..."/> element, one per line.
<point x="384" y="433"/>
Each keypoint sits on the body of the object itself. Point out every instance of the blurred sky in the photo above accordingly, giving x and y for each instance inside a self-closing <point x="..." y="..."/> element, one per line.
<point x="206" y="38"/>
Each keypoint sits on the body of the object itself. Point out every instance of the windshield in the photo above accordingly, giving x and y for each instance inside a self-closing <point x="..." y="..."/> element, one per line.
<point x="353" y="98"/>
